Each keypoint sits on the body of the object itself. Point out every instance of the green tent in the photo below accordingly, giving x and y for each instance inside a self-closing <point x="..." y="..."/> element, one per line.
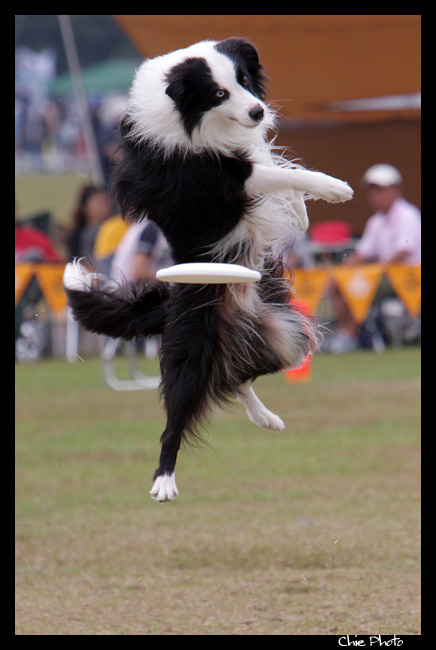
<point x="113" y="75"/>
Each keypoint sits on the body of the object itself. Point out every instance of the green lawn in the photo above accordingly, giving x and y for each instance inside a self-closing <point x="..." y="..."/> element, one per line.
<point x="43" y="192"/>
<point x="313" y="530"/>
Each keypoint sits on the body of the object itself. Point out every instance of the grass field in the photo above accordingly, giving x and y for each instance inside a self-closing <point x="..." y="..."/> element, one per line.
<point x="43" y="192"/>
<point x="314" y="530"/>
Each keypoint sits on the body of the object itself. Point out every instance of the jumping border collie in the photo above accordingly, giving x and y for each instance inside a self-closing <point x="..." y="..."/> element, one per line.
<point x="196" y="160"/>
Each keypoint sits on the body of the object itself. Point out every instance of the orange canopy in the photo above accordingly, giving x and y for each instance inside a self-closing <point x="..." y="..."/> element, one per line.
<point x="312" y="60"/>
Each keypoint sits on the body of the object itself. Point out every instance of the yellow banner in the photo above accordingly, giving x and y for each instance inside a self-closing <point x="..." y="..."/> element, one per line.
<point x="358" y="286"/>
<point x="406" y="282"/>
<point x="49" y="278"/>
<point x="23" y="274"/>
<point x="309" y="285"/>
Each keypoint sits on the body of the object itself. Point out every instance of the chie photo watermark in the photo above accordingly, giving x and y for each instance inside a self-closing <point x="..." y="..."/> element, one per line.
<point x="376" y="640"/>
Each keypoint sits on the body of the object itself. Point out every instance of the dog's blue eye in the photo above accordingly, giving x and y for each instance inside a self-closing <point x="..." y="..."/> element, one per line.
<point x="220" y="93"/>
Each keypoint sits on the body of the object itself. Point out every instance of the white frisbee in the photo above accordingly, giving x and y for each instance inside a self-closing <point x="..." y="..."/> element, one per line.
<point x="207" y="273"/>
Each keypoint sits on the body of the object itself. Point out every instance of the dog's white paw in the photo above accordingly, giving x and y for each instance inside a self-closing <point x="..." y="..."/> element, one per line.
<point x="267" y="419"/>
<point x="332" y="190"/>
<point x="256" y="411"/>
<point x="164" y="488"/>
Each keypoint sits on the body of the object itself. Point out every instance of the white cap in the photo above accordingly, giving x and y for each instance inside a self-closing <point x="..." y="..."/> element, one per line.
<point x="382" y="175"/>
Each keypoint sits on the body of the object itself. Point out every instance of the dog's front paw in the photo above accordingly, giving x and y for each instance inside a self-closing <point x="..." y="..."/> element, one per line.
<point x="164" y="488"/>
<point x="333" y="190"/>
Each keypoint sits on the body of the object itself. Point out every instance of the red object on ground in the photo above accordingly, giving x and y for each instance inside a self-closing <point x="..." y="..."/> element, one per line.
<point x="304" y="372"/>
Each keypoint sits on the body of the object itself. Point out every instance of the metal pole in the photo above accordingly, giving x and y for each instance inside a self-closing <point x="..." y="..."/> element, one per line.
<point x="79" y="91"/>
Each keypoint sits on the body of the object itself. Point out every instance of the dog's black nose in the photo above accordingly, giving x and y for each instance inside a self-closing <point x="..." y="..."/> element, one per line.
<point x="256" y="113"/>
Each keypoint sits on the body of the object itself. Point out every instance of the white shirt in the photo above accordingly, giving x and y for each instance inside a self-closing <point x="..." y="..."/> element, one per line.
<point x="387" y="234"/>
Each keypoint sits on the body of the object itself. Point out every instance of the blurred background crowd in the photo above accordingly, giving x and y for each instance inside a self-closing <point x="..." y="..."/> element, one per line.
<point x="348" y="92"/>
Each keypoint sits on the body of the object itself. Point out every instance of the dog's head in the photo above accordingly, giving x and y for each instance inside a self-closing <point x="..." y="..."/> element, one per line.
<point x="228" y="82"/>
<point x="208" y="95"/>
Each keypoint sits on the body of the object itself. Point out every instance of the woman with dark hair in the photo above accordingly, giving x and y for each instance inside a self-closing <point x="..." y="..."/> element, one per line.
<point x="92" y="208"/>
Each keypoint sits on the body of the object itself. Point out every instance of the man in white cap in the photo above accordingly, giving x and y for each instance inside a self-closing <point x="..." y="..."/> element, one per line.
<point x="393" y="233"/>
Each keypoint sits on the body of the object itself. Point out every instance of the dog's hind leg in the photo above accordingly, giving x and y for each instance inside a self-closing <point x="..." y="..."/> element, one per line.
<point x="256" y="411"/>
<point x="181" y="403"/>
<point x="187" y="360"/>
<point x="164" y="487"/>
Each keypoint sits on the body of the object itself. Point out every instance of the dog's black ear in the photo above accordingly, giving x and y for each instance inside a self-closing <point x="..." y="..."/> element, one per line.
<point x="189" y="86"/>
<point x="241" y="50"/>
<point x="175" y="89"/>
<point x="186" y="77"/>
<point x="179" y="78"/>
<point x="125" y="125"/>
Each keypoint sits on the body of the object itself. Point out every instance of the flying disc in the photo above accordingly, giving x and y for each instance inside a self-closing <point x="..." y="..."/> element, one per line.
<point x="207" y="273"/>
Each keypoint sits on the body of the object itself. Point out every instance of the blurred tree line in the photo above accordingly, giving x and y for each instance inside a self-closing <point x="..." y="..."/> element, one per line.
<point x="98" y="37"/>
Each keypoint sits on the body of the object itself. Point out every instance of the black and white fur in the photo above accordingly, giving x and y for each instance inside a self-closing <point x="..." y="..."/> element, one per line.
<point x="196" y="160"/>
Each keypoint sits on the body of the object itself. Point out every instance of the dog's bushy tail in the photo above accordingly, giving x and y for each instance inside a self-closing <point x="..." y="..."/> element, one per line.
<point x="113" y="310"/>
